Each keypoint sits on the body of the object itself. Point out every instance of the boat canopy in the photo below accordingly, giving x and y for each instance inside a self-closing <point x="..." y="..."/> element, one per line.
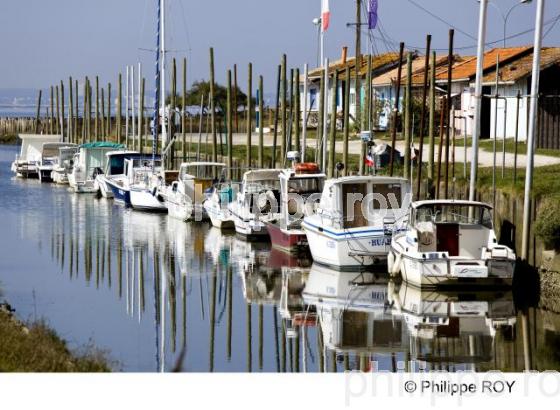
<point x="102" y="144"/>
<point x="449" y="202"/>
<point x="32" y="145"/>
<point x="51" y="149"/>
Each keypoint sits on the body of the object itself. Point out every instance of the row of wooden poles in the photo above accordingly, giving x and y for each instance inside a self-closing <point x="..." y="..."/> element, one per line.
<point x="96" y="122"/>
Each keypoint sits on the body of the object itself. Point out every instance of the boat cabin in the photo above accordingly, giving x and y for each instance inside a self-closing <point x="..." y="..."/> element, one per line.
<point x="140" y="170"/>
<point x="31" y="151"/>
<point x="359" y="201"/>
<point x="197" y="178"/>
<point x="91" y="159"/>
<point x="300" y="189"/>
<point x="51" y="151"/>
<point x="256" y="182"/>
<point x="460" y="228"/>
<point x="115" y="161"/>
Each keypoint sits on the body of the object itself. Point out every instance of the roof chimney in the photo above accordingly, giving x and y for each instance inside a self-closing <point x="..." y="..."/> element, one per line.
<point x="344" y="54"/>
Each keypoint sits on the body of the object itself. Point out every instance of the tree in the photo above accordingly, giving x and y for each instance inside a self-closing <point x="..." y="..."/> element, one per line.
<point x="202" y="88"/>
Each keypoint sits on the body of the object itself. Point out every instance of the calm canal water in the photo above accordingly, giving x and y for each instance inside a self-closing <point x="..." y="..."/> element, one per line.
<point x="160" y="295"/>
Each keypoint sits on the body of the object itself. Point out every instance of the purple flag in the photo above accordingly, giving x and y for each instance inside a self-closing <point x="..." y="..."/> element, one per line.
<point x="372" y="14"/>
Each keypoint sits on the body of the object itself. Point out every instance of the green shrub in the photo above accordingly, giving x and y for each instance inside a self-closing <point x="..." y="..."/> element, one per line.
<point x="547" y="225"/>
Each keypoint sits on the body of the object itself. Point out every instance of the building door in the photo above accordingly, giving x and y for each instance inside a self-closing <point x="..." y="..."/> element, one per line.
<point x="352" y="196"/>
<point x="485" y="114"/>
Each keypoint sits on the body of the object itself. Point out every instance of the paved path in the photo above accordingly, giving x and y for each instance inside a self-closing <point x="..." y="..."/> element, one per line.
<point x="485" y="158"/>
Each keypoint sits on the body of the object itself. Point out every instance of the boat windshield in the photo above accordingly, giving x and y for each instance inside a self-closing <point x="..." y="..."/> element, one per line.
<point x="303" y="186"/>
<point x="258" y="186"/>
<point x="455" y="213"/>
<point x="201" y="171"/>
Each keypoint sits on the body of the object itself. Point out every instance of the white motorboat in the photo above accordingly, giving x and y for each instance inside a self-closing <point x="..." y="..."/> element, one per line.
<point x="300" y="190"/>
<point x="25" y="163"/>
<point x="448" y="242"/>
<point x="48" y="161"/>
<point x="136" y="187"/>
<point x="63" y="167"/>
<point x="256" y="202"/>
<point x="353" y="224"/>
<point x="216" y="205"/>
<point x="113" y="170"/>
<point x="88" y="162"/>
<point x="184" y="198"/>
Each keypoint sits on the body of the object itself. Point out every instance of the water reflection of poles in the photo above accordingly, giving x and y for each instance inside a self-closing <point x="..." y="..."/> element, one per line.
<point x="526" y="340"/>
<point x="229" y="309"/>
<point x="173" y="299"/>
<point x="283" y="346"/>
<point x="276" y="341"/>
<point x="163" y="289"/>
<point x="249" y="339"/>
<point x="212" y="319"/>
<point x="184" y="309"/>
<point x="261" y="332"/>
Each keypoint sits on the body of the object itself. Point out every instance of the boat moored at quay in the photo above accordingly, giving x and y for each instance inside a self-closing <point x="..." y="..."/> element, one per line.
<point x="353" y="224"/>
<point x="449" y="243"/>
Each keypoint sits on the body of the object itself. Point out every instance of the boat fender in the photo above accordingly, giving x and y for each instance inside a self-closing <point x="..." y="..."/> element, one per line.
<point x="396" y="268"/>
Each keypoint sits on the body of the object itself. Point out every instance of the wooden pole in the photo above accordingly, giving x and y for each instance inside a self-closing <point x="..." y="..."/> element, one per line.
<point x="109" y="118"/>
<point x="441" y="141"/>
<point x="38" y="115"/>
<point x="58" y="131"/>
<point x="423" y="116"/>
<point x="346" y="120"/>
<point x="249" y="106"/>
<point x="396" y="111"/>
<point x="291" y="114"/>
<point x="284" y="140"/>
<point x="367" y="111"/>
<point x="183" y="111"/>
<point x="141" y="115"/>
<point x="96" y="108"/>
<point x="449" y="109"/>
<point x="62" y="116"/>
<point x="71" y="110"/>
<point x="518" y="99"/>
<point x="297" y="113"/>
<point x="236" y="119"/>
<point x="321" y="113"/>
<point x="213" y="109"/>
<point x="102" y="124"/>
<point x="333" y="125"/>
<point x="119" y="110"/>
<point x="431" y="127"/>
<point x="276" y="117"/>
<point x="261" y="122"/>
<point x="229" y="128"/>
<point x="51" y="122"/>
<point x="408" y="116"/>
<point x="77" y="111"/>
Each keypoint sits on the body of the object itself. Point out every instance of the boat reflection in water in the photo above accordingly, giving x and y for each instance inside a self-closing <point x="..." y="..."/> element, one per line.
<point x="355" y="318"/>
<point x="445" y="329"/>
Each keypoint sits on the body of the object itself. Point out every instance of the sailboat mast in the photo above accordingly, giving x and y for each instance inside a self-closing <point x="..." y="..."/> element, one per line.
<point x="157" y="80"/>
<point x="164" y="114"/>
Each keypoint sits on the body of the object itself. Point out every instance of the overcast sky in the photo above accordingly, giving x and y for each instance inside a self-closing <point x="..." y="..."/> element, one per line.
<point x="42" y="42"/>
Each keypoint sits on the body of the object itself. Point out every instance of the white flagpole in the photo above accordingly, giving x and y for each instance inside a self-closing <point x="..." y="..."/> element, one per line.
<point x="532" y="129"/>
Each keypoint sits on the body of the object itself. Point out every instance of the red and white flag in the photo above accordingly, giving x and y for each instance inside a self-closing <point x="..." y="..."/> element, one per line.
<point x="325" y="14"/>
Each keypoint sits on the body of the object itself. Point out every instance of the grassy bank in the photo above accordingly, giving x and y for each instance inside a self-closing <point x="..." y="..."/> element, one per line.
<point x="8" y="139"/>
<point x="35" y="347"/>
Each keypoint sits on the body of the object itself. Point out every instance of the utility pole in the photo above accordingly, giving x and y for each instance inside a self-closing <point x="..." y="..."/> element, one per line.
<point x="535" y="79"/>
<point x="478" y="96"/>
<point x="358" y="114"/>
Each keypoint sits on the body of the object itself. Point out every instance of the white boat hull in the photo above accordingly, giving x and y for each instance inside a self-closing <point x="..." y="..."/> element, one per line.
<point x="143" y="200"/>
<point x="102" y="187"/>
<point x="450" y="271"/>
<point x="349" y="249"/>
<point x="220" y="218"/>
